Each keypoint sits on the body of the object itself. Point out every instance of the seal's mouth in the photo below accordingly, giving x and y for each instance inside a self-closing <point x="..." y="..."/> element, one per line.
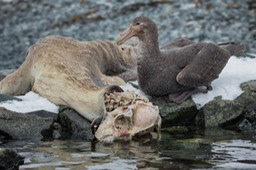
<point x="130" y="32"/>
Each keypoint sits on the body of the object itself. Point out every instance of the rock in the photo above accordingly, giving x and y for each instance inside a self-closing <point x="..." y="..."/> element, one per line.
<point x="175" y="129"/>
<point x="9" y="159"/>
<point x="238" y="114"/>
<point x="218" y="112"/>
<point x="4" y="137"/>
<point x="250" y="112"/>
<point x="5" y="97"/>
<point x="247" y="121"/>
<point x="69" y="125"/>
<point x="24" y="126"/>
<point x="176" y="114"/>
<point x="193" y="143"/>
<point x="225" y="113"/>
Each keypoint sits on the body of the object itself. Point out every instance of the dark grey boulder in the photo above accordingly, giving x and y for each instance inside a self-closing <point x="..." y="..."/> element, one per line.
<point x="4" y="137"/>
<point x="176" y="114"/>
<point x="9" y="159"/>
<point x="237" y="114"/>
<point x="218" y="112"/>
<point x="230" y="114"/>
<point x="69" y="125"/>
<point x="249" y="122"/>
<point x="5" y="97"/>
<point x="24" y="126"/>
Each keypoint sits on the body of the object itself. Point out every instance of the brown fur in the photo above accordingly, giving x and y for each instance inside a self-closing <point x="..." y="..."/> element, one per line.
<point x="73" y="73"/>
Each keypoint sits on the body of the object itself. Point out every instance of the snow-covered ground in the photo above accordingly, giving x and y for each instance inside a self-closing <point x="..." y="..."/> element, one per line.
<point x="30" y="102"/>
<point x="237" y="71"/>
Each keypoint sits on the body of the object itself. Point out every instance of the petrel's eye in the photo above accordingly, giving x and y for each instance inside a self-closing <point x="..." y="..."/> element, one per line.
<point x="137" y="23"/>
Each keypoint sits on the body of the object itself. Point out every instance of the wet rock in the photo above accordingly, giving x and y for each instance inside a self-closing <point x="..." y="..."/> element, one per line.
<point x="9" y="159"/>
<point x="69" y="125"/>
<point x="218" y="112"/>
<point x="5" y="97"/>
<point x="230" y="114"/>
<point x="24" y="126"/>
<point x="4" y="137"/>
<point x="193" y="143"/>
<point x="247" y="121"/>
<point x="250" y="112"/>
<point x="175" y="129"/>
<point x="238" y="114"/>
<point x="176" y="114"/>
<point x="246" y="126"/>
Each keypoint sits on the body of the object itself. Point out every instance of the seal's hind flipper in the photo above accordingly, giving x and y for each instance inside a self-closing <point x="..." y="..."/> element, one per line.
<point x="17" y="83"/>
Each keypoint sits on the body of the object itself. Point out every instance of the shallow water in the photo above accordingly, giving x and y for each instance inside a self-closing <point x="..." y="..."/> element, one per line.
<point x="204" y="149"/>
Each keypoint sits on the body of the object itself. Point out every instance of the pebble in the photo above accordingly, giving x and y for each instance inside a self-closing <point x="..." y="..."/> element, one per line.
<point x="22" y="23"/>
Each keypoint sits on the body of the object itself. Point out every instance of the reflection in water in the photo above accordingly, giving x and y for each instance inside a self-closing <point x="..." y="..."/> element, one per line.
<point x="234" y="154"/>
<point x="115" y="165"/>
<point x="204" y="149"/>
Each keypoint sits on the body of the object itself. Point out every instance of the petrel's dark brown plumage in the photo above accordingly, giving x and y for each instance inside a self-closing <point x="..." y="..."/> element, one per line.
<point x="180" y="68"/>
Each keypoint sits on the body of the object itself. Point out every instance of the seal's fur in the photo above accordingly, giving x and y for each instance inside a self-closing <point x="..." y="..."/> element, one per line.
<point x="73" y="73"/>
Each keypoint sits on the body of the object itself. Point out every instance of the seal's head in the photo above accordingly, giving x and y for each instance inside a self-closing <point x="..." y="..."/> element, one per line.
<point x="127" y="121"/>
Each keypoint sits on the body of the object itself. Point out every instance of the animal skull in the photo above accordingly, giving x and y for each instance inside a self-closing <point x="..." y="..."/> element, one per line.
<point x="135" y="115"/>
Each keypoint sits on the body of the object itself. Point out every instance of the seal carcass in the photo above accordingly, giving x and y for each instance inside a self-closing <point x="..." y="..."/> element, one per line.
<point x="73" y="73"/>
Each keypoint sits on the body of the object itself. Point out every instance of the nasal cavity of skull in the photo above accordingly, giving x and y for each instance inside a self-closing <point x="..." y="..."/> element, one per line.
<point x="122" y="123"/>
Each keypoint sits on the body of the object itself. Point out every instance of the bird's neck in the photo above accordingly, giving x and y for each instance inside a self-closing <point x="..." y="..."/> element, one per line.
<point x="148" y="57"/>
<point x="150" y="46"/>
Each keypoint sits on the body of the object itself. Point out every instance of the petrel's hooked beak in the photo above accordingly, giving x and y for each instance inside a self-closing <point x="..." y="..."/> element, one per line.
<point x="130" y="32"/>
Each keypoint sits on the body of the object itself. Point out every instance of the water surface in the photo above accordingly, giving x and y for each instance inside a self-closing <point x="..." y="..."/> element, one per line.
<point x="201" y="149"/>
